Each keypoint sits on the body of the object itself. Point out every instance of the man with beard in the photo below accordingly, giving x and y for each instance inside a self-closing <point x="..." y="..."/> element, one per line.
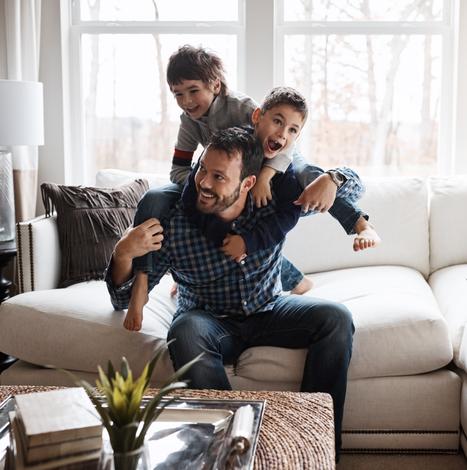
<point x="224" y="306"/>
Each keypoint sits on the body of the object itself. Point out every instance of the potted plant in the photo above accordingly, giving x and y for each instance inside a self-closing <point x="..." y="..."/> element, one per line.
<point x="118" y="400"/>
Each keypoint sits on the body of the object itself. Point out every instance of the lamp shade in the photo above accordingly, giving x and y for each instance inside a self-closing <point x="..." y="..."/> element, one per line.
<point x="21" y="113"/>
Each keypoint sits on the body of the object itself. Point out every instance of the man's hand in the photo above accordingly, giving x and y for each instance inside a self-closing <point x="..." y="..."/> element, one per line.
<point x="319" y="195"/>
<point x="136" y="241"/>
<point x="140" y="240"/>
<point x="234" y="247"/>
<point x="261" y="191"/>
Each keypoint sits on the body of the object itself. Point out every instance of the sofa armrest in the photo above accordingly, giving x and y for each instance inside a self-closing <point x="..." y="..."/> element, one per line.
<point x="38" y="254"/>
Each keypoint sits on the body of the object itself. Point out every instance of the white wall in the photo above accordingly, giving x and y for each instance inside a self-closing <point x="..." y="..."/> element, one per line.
<point x="53" y="155"/>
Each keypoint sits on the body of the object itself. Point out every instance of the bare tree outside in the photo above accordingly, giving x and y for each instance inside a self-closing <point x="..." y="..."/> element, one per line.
<point x="355" y="86"/>
<point x="374" y="98"/>
<point x="131" y="120"/>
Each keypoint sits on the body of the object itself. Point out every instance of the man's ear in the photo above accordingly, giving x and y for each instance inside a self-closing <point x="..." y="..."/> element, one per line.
<point x="248" y="183"/>
<point x="255" y="116"/>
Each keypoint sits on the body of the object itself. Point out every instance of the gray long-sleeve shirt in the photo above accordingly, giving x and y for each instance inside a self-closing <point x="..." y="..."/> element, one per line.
<point x="233" y="109"/>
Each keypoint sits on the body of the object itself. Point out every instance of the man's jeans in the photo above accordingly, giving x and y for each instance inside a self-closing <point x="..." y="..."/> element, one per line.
<point x="324" y="328"/>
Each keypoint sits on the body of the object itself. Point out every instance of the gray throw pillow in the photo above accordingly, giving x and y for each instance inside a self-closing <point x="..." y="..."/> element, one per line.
<point x="90" y="221"/>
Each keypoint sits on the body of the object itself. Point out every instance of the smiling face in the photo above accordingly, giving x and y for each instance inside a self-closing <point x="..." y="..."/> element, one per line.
<point x="220" y="189"/>
<point x="195" y="97"/>
<point x="277" y="128"/>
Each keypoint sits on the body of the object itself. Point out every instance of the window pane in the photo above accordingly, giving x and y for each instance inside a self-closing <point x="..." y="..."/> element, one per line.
<point x="374" y="100"/>
<point x="362" y="10"/>
<point x="150" y="10"/>
<point x="131" y="118"/>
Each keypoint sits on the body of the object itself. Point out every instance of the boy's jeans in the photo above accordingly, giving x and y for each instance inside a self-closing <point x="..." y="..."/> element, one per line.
<point x="324" y="328"/>
<point x="159" y="202"/>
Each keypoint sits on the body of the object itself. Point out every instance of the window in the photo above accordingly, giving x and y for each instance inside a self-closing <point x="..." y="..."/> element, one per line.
<point x="126" y="113"/>
<point x="378" y="76"/>
<point x="372" y="72"/>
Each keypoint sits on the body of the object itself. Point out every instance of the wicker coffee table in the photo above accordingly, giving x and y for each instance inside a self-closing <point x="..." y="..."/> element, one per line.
<point x="297" y="430"/>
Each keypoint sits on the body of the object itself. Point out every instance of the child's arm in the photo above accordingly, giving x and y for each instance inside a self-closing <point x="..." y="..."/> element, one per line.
<point x="187" y="142"/>
<point x="261" y="191"/>
<point x="272" y="229"/>
<point x="352" y="187"/>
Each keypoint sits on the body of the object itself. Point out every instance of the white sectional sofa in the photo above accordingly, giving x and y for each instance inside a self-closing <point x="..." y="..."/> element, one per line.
<point x="407" y="387"/>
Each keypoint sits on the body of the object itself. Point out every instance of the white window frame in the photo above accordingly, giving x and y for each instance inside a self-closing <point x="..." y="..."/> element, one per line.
<point x="452" y="142"/>
<point x="260" y="34"/>
<point x="82" y="169"/>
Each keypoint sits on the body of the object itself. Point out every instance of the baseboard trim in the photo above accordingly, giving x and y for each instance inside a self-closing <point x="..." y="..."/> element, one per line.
<point x="365" y="450"/>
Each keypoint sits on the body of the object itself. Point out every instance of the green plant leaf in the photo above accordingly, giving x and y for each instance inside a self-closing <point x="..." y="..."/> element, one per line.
<point x="110" y="371"/>
<point x="154" y="361"/>
<point x="125" y="367"/>
<point x="104" y="383"/>
<point x="182" y="370"/>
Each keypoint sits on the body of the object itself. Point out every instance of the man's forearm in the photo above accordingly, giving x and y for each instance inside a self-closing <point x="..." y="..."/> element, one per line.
<point x="122" y="268"/>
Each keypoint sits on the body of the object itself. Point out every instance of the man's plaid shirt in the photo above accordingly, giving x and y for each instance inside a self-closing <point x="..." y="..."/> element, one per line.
<point x="207" y="279"/>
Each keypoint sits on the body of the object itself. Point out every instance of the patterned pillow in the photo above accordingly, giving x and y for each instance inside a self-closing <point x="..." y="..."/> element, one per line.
<point x="90" y="221"/>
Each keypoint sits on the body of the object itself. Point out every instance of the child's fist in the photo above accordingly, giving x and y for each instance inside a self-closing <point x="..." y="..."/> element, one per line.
<point x="234" y="247"/>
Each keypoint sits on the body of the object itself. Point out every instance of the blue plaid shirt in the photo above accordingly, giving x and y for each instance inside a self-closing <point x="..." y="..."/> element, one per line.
<point x="207" y="279"/>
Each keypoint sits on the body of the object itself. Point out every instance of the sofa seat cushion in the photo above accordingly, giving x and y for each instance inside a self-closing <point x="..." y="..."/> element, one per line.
<point x="77" y="328"/>
<point x="399" y="328"/>
<point x="449" y="286"/>
<point x="395" y="315"/>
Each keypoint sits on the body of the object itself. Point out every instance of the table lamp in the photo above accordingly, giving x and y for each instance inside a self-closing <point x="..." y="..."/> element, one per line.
<point x="21" y="123"/>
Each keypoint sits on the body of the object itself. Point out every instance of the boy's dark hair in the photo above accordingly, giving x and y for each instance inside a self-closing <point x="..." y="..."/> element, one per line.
<point x="242" y="140"/>
<point x="195" y="63"/>
<point x="285" y="95"/>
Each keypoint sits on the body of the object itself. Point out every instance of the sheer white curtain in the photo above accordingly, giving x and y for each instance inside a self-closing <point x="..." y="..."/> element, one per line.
<point x="19" y="60"/>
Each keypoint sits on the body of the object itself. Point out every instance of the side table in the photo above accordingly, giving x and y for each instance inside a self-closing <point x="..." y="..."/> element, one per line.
<point x="7" y="253"/>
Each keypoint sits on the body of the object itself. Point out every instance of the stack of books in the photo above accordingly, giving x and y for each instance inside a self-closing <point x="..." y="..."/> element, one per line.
<point x="59" y="428"/>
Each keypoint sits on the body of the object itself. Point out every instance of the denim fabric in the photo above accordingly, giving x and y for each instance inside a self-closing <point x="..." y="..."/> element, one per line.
<point x="157" y="203"/>
<point x="290" y="275"/>
<point x="352" y="189"/>
<point x="325" y="328"/>
<point x="207" y="278"/>
<point x="344" y="209"/>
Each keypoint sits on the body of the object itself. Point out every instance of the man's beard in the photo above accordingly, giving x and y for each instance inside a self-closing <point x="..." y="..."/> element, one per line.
<point x="218" y="204"/>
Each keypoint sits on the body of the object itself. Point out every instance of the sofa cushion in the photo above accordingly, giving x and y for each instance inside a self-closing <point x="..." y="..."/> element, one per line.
<point x="448" y="221"/>
<point x="77" y="328"/>
<point x="449" y="286"/>
<point x="398" y="209"/>
<point x="111" y="178"/>
<point x="90" y="221"/>
<point x="395" y="316"/>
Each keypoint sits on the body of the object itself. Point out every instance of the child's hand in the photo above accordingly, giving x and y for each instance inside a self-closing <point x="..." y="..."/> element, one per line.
<point x="234" y="246"/>
<point x="261" y="191"/>
<point x="319" y="195"/>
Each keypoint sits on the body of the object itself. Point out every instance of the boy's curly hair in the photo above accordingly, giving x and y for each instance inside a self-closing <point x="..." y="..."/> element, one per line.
<point x="285" y="95"/>
<point x="195" y="63"/>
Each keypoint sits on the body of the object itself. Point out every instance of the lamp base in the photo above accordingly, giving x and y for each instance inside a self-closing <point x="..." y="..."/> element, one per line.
<point x="7" y="199"/>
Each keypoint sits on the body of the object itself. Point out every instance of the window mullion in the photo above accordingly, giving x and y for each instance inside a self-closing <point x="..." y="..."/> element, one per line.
<point x="259" y="39"/>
